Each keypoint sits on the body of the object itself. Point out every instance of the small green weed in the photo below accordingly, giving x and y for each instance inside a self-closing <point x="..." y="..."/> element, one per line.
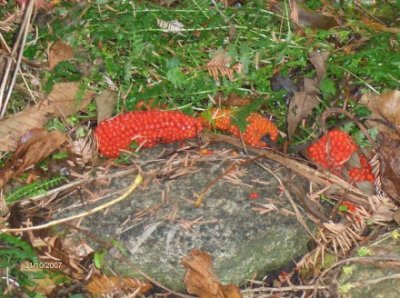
<point x="33" y="189"/>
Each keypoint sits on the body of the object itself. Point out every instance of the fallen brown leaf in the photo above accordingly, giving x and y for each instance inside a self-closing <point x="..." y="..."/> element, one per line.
<point x="389" y="156"/>
<point x="305" y="18"/>
<point x="44" y="284"/>
<point x="355" y="45"/>
<point x="233" y="100"/>
<point x="102" y="285"/>
<point x="379" y="27"/>
<point x="51" y="248"/>
<point x="305" y="100"/>
<point x="35" y="146"/>
<point x="59" y="51"/>
<point x="200" y="279"/>
<point x="386" y="107"/>
<point x="60" y="102"/>
<point x="318" y="60"/>
<point x="105" y="103"/>
<point x="302" y="104"/>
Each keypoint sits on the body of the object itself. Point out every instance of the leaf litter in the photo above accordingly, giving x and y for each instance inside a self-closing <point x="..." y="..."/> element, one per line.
<point x="23" y="131"/>
<point x="61" y="101"/>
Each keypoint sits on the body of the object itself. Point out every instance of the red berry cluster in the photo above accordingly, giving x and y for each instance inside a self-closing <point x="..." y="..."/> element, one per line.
<point x="350" y="207"/>
<point x="363" y="173"/>
<point x="146" y="128"/>
<point x="332" y="152"/>
<point x="258" y="126"/>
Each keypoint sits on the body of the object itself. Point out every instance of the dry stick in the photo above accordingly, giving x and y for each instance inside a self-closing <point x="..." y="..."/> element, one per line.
<point x="338" y="185"/>
<point x="82" y="181"/>
<point x="368" y="282"/>
<point x="368" y="260"/>
<point x="19" y="70"/>
<point x="23" y="33"/>
<point x="299" y="216"/>
<point x="133" y="267"/>
<point x="233" y="167"/>
<point x="294" y="206"/>
<point x="138" y="180"/>
<point x="283" y="289"/>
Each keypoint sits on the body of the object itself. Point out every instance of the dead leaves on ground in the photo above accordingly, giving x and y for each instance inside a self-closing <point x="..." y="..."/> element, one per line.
<point x="385" y="107"/>
<point x="307" y="98"/>
<point x="102" y="285"/>
<point x="379" y="27"/>
<point x="389" y="155"/>
<point x="305" y="18"/>
<point x="200" y="279"/>
<point x="34" y="146"/>
<point x="62" y="101"/>
<point x="59" y="51"/>
<point x="105" y="103"/>
<point x="232" y="100"/>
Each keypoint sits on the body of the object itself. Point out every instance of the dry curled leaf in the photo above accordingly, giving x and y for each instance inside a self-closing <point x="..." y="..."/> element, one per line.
<point x="172" y="26"/>
<point x="305" y="100"/>
<point x="62" y="101"/>
<point x="105" y="103"/>
<point x="233" y="100"/>
<point x="389" y="155"/>
<point x="35" y="145"/>
<point x="379" y="27"/>
<point x="102" y="285"/>
<point x="305" y="18"/>
<point x="59" y="51"/>
<point x="302" y="104"/>
<point x="67" y="259"/>
<point x="200" y="279"/>
<point x="43" y="284"/>
<point x="385" y="107"/>
<point x="318" y="60"/>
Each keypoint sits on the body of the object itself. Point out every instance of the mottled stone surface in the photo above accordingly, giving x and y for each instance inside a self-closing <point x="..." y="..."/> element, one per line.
<point x="356" y="280"/>
<point x="159" y="223"/>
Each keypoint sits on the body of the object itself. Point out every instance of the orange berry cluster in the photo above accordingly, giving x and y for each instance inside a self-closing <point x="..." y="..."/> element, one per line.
<point x="334" y="149"/>
<point x="146" y="128"/>
<point x="258" y="126"/>
<point x="364" y="173"/>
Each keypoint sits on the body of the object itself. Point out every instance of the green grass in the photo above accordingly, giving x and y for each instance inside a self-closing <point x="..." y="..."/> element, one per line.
<point x="122" y="41"/>
<point x="125" y="43"/>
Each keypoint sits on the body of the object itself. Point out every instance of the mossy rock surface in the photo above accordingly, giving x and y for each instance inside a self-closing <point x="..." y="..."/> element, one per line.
<point x="357" y="279"/>
<point x="159" y="223"/>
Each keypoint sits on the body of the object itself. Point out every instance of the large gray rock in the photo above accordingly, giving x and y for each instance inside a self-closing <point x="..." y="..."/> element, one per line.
<point x="159" y="223"/>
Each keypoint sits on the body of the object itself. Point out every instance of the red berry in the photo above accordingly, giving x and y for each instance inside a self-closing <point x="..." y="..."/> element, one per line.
<point x="254" y="195"/>
<point x="147" y="128"/>
<point x="258" y="126"/>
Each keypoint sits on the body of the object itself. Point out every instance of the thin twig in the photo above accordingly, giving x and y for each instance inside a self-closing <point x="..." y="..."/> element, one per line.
<point x="138" y="180"/>
<point x="336" y="184"/>
<point x="233" y="167"/>
<point x="19" y="44"/>
<point x="367" y="260"/>
<point x="283" y="289"/>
